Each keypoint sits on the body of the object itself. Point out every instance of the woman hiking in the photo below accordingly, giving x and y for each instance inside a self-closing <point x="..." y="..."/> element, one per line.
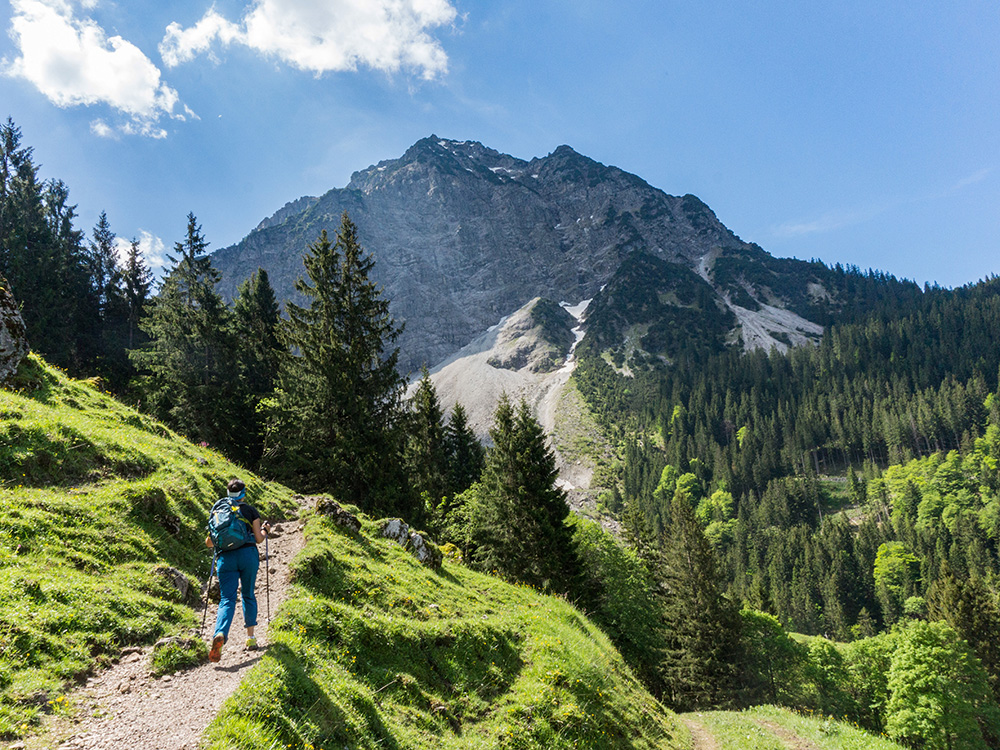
<point x="236" y="563"/>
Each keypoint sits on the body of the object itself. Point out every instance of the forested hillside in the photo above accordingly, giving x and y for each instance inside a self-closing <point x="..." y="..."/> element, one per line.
<point x="845" y="487"/>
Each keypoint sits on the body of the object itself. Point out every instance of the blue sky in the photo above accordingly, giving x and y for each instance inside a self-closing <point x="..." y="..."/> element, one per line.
<point x="860" y="132"/>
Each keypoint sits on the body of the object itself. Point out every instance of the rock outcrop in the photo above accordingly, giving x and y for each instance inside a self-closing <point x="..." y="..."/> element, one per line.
<point x="423" y="549"/>
<point x="174" y="578"/>
<point x="333" y="510"/>
<point x="13" y="336"/>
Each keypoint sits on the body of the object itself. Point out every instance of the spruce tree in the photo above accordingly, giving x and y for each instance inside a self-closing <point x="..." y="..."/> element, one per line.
<point x="190" y="362"/>
<point x="337" y="416"/>
<point x="108" y="288"/>
<point x="701" y="626"/>
<point x="516" y="517"/>
<point x="426" y="457"/>
<point x="465" y="454"/>
<point x="256" y="318"/>
<point x="137" y="282"/>
<point x="105" y="274"/>
<point x="42" y="257"/>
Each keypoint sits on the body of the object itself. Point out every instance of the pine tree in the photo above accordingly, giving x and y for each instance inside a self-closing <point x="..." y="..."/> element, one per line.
<point x="516" y="514"/>
<point x="701" y="626"/>
<point x="42" y="257"/>
<point x="107" y="285"/>
<point x="105" y="274"/>
<point x="336" y="422"/>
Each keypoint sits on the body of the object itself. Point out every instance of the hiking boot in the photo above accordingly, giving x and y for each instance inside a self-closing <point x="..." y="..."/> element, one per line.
<point x="217" y="643"/>
<point x="251" y="644"/>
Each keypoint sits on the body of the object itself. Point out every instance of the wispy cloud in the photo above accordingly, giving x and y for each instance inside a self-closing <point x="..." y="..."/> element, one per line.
<point x="831" y="221"/>
<point x="972" y="179"/>
<point x="320" y="37"/>
<point x="70" y="59"/>
<point x="827" y="222"/>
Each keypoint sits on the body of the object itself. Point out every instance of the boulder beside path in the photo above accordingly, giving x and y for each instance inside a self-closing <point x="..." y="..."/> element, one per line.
<point x="13" y="334"/>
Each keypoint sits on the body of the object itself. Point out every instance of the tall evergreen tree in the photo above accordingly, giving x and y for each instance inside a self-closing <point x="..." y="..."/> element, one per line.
<point x="108" y="287"/>
<point x="105" y="273"/>
<point x="426" y="457"/>
<point x="701" y="626"/>
<point x="256" y="318"/>
<point x="515" y="516"/>
<point x="466" y="456"/>
<point x="336" y="425"/>
<point x="42" y="257"/>
<point x="138" y="282"/>
<point x="192" y="378"/>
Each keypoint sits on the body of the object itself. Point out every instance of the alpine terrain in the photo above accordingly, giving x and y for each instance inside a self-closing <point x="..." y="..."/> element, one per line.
<point x="464" y="236"/>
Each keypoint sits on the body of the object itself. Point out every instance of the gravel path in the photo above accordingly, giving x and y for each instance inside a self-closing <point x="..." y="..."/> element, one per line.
<point x="124" y="707"/>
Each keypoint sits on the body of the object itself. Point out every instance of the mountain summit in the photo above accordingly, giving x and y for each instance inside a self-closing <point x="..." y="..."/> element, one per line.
<point x="464" y="235"/>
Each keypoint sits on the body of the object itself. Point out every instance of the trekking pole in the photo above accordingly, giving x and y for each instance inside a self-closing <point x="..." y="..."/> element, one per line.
<point x="208" y="587"/>
<point x="267" y="576"/>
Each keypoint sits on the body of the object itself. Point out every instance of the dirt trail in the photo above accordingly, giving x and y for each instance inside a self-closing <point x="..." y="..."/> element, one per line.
<point x="125" y="707"/>
<point x="791" y="740"/>
<point x="701" y="738"/>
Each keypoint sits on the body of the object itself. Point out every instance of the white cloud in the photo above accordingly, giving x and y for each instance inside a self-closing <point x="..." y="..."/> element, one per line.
<point x="151" y="248"/>
<point x="73" y="62"/>
<point x="122" y="247"/>
<point x="154" y="251"/>
<point x="102" y="129"/>
<point x="319" y="37"/>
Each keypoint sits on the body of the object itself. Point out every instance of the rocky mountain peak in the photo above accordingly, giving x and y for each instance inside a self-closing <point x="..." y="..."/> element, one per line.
<point x="464" y="235"/>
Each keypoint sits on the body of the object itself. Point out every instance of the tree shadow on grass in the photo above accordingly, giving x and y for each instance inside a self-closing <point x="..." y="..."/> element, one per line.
<point x="328" y="720"/>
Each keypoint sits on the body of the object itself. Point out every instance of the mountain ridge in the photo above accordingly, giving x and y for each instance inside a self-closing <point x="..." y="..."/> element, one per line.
<point x="463" y="235"/>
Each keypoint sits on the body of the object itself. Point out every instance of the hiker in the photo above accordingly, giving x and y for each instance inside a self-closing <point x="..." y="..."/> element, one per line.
<point x="237" y="565"/>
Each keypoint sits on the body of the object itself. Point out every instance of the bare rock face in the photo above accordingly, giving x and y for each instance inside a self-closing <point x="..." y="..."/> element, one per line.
<point x="538" y="336"/>
<point x="13" y="335"/>
<point x="463" y="235"/>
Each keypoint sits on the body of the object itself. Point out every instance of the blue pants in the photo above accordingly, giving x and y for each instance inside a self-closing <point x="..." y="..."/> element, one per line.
<point x="236" y="568"/>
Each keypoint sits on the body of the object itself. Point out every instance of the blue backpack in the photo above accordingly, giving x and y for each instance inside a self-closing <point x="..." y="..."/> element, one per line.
<point x="227" y="527"/>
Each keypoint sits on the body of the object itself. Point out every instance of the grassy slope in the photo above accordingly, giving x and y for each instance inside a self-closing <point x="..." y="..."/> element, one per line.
<point x="374" y="650"/>
<point x="94" y="499"/>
